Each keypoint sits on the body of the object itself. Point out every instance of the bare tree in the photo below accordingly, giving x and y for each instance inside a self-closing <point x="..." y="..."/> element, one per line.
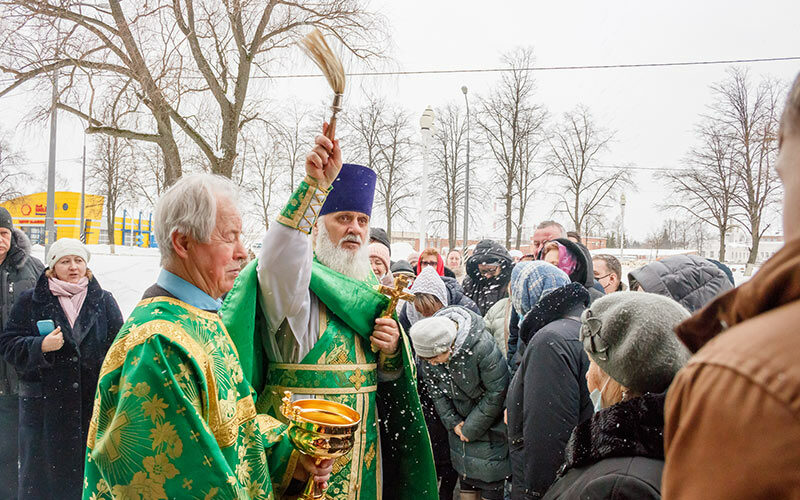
<point x="263" y="165"/>
<point x="749" y="114"/>
<point x="383" y="140"/>
<point x="708" y="186"/>
<point x="575" y="146"/>
<point x="111" y="174"/>
<point x="512" y="126"/>
<point x="184" y="65"/>
<point x="11" y="176"/>
<point x="448" y="152"/>
<point x="526" y="179"/>
<point x="294" y="138"/>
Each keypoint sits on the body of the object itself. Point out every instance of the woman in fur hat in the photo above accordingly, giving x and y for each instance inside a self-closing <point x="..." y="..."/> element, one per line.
<point x="634" y="355"/>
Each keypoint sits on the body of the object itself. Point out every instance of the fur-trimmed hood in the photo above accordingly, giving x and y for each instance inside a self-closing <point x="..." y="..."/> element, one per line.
<point x="633" y="428"/>
<point x="20" y="249"/>
<point x="568" y="300"/>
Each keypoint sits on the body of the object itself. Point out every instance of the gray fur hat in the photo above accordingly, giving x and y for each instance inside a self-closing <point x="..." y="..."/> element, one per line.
<point x="630" y="336"/>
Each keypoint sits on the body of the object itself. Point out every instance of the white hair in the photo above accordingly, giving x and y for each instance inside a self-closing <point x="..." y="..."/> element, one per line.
<point x="190" y="207"/>
<point x="353" y="264"/>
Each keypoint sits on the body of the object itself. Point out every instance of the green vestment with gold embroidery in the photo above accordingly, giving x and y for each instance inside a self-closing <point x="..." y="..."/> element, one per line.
<point x="174" y="416"/>
<point x="391" y="459"/>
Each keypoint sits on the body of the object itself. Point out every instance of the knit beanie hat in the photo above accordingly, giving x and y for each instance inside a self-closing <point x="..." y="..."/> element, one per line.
<point x="430" y="282"/>
<point x="5" y="219"/>
<point x="380" y="251"/>
<point x="530" y="281"/>
<point x="630" y="337"/>
<point x="403" y="266"/>
<point x="433" y="336"/>
<point x="66" y="246"/>
<point x="379" y="235"/>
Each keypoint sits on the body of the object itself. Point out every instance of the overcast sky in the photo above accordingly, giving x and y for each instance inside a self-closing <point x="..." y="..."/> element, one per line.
<point x="652" y="110"/>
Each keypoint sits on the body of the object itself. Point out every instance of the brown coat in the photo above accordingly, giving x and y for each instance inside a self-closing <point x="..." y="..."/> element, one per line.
<point x="732" y="417"/>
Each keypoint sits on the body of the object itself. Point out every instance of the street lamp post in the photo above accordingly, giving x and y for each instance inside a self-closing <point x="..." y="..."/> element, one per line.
<point x="426" y="126"/>
<point x="466" y="179"/>
<point x="621" y="225"/>
<point x="81" y="231"/>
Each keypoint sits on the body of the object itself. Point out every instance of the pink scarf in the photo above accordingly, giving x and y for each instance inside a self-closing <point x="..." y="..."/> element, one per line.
<point x="70" y="296"/>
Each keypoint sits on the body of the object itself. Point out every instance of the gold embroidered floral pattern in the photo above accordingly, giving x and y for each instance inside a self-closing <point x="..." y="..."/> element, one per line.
<point x="182" y="400"/>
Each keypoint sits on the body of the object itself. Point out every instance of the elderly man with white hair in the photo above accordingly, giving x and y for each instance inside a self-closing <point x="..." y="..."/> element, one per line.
<point x="174" y="416"/>
<point x="313" y="304"/>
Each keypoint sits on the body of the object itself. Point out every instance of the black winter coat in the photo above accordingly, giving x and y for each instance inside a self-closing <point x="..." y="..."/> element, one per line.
<point x="18" y="272"/>
<point x="57" y="388"/>
<point x="618" y="454"/>
<point x="456" y="296"/>
<point x="471" y="388"/>
<point x="486" y="292"/>
<point x="690" y="280"/>
<point x="548" y="396"/>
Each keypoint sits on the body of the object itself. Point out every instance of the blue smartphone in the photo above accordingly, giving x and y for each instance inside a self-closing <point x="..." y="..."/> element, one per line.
<point x="45" y="326"/>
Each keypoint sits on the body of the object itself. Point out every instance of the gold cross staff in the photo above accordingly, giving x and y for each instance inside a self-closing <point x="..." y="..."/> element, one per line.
<point x="395" y="294"/>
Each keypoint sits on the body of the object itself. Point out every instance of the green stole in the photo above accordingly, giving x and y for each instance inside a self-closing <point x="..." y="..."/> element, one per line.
<point x="340" y="367"/>
<point x="174" y="416"/>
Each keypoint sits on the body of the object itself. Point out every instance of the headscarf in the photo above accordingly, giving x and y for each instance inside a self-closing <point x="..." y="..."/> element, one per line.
<point x="566" y="261"/>
<point x="427" y="282"/>
<point x="530" y="281"/>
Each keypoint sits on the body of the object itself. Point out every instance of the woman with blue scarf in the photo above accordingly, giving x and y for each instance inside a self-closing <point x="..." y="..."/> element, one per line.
<point x="548" y="396"/>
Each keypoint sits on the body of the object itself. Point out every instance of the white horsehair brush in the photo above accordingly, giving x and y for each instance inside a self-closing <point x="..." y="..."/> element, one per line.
<point x="315" y="46"/>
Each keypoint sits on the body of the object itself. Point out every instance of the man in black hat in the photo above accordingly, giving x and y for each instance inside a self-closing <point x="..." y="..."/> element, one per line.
<point x="18" y="272"/>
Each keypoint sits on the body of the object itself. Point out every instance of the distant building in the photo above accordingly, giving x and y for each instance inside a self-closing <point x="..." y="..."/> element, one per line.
<point x="737" y="247"/>
<point x="29" y="214"/>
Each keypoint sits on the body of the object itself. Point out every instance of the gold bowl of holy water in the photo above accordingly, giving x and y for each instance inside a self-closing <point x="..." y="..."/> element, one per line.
<point x="320" y="429"/>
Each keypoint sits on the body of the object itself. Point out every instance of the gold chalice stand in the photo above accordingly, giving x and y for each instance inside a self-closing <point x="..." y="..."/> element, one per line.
<point x="320" y="429"/>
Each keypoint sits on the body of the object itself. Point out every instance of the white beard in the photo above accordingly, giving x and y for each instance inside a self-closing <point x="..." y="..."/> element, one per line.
<point x="352" y="264"/>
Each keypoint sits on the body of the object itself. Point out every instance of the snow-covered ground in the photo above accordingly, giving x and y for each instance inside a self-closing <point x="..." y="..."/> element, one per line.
<point x="131" y="270"/>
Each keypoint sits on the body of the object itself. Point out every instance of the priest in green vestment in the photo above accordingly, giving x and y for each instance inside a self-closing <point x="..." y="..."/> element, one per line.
<point x="306" y="318"/>
<point x="174" y="416"/>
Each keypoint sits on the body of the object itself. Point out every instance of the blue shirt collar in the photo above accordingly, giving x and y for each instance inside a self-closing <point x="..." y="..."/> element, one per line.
<point x="187" y="292"/>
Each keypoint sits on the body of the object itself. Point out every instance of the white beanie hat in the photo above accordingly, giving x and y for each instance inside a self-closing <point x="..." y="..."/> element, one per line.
<point x="433" y="336"/>
<point x="66" y="246"/>
<point x="430" y="282"/>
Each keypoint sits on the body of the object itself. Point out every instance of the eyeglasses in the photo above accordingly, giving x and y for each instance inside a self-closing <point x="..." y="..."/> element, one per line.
<point x="488" y="269"/>
<point x="598" y="278"/>
<point x="431" y="263"/>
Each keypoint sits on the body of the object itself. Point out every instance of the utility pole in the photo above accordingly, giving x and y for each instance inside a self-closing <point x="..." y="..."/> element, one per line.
<point x="466" y="180"/>
<point x="49" y="220"/>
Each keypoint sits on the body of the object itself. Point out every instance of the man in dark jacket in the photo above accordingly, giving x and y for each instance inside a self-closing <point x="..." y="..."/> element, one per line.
<point x="690" y="280"/>
<point x="18" y="272"/>
<point x="488" y="272"/>
<point x="547" y="396"/>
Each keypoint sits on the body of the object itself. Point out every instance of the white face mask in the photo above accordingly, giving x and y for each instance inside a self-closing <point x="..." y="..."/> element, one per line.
<point x="597" y="396"/>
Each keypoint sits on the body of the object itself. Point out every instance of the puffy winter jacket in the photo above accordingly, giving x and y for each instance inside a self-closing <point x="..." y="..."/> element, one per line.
<point x="688" y="279"/>
<point x="471" y="388"/>
<point x="18" y="273"/>
<point x="497" y="322"/>
<point x="456" y="296"/>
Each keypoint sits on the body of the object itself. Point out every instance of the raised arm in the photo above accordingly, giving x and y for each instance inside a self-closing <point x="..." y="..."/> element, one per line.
<point x="284" y="267"/>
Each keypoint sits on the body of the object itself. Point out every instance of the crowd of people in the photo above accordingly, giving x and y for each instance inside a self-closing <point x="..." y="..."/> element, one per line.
<point x="537" y="376"/>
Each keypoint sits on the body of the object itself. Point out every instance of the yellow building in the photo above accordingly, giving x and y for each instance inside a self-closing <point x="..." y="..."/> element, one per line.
<point x="29" y="214"/>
